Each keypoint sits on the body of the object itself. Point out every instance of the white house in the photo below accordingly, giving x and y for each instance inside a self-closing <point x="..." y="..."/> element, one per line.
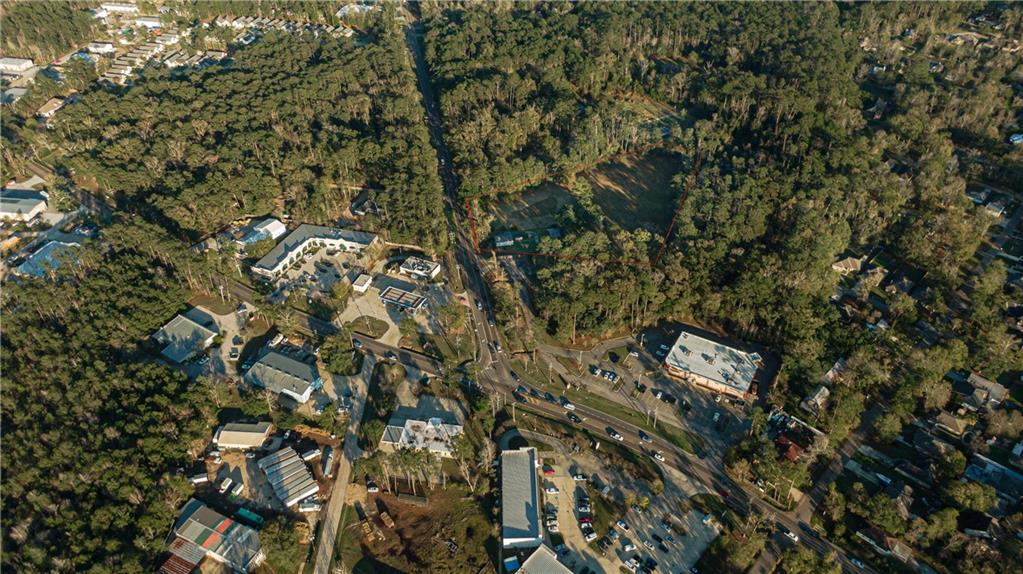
<point x="15" y="65"/>
<point x="268" y="228"/>
<point x="242" y="435"/>
<point x="50" y="107"/>
<point x="420" y="268"/>
<point x="101" y="48"/>
<point x="362" y="283"/>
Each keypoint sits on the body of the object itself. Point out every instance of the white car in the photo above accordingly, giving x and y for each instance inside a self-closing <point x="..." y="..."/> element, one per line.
<point x="648" y="545"/>
<point x="658" y="455"/>
<point x="551" y="490"/>
<point x="792" y="536"/>
<point x="630" y="547"/>
<point x="717" y="417"/>
<point x="579" y="477"/>
<point x="590" y="536"/>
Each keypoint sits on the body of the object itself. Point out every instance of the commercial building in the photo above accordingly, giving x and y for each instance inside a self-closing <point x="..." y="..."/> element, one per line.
<point x="284" y="375"/>
<point x="151" y="22"/>
<point x="15" y="65"/>
<point x="420" y="268"/>
<point x="101" y="48"/>
<point x="433" y="435"/>
<point x="21" y="204"/>
<point x="186" y="334"/>
<point x="119" y="7"/>
<point x="293" y="247"/>
<point x="520" y="499"/>
<point x="542" y="561"/>
<point x="289" y="476"/>
<point x="242" y="435"/>
<point x="403" y="299"/>
<point x="712" y="365"/>
<point x="268" y="228"/>
<point x="362" y="283"/>
<point x="201" y="532"/>
<point x="47" y="259"/>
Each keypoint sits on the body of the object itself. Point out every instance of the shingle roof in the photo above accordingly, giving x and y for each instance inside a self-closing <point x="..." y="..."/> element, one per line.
<point x="183" y="335"/>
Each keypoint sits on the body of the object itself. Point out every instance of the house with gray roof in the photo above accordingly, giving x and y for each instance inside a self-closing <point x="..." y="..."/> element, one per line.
<point x="47" y="259"/>
<point x="284" y="375"/>
<point x="292" y="248"/>
<point x="21" y="204"/>
<point x="186" y="334"/>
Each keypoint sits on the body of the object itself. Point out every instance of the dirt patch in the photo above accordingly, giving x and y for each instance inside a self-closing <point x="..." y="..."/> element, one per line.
<point x="637" y="191"/>
<point x="450" y="534"/>
<point x="534" y="208"/>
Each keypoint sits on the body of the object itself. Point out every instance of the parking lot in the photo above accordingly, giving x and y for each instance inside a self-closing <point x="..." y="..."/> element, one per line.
<point x="578" y="554"/>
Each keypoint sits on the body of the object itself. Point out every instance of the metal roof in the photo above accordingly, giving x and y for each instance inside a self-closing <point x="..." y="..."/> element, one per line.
<point x="234" y="543"/>
<point x="712" y="360"/>
<point x="184" y="335"/>
<point x="520" y="497"/>
<point x="280" y="373"/>
<point x="20" y="200"/>
<point x="47" y="258"/>
<point x="307" y="232"/>
<point x="543" y="561"/>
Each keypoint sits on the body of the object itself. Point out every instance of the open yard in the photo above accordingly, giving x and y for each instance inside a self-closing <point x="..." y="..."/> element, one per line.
<point x="450" y="534"/>
<point x="369" y="326"/>
<point x="636" y="192"/>
<point x="534" y="208"/>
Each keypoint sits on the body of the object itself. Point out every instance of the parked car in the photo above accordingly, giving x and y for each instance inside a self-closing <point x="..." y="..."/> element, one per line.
<point x="623" y="525"/>
<point x="644" y="437"/>
<point x="586" y="520"/>
<point x="658" y="455"/>
<point x="234" y="353"/>
<point x="226" y="484"/>
<point x="647" y="544"/>
<point x="550" y="398"/>
<point x="630" y="547"/>
<point x="574" y="417"/>
<point x="567" y="404"/>
<point x="551" y="490"/>
<point x="548" y="470"/>
<point x="372" y="486"/>
<point x="717" y="417"/>
<point x="856" y="562"/>
<point x="613" y="534"/>
<point x="579" y="477"/>
<point x="614" y="434"/>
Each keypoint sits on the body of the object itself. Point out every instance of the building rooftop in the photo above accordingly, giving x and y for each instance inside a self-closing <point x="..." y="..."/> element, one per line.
<point x="402" y="298"/>
<point x="419" y="266"/>
<point x="289" y="476"/>
<point x="14" y="201"/>
<point x="185" y="333"/>
<point x="47" y="259"/>
<point x="543" y="561"/>
<point x="206" y="528"/>
<point x="280" y="373"/>
<point x="715" y="361"/>
<point x="305" y="232"/>
<point x="243" y="435"/>
<point x="268" y="228"/>
<point x="520" y="498"/>
<point x="433" y="435"/>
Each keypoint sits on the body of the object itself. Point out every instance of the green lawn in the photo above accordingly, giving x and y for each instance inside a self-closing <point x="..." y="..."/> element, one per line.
<point x="617" y="355"/>
<point x="369" y="326"/>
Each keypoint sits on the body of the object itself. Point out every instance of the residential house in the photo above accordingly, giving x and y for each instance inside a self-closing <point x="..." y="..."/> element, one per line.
<point x="151" y="22"/>
<point x="520" y="499"/>
<point x="200" y="529"/>
<point x="1007" y="482"/>
<point x="713" y="365"/>
<point x="242" y="436"/>
<point x="979" y="393"/>
<point x="901" y="494"/>
<point x="306" y="237"/>
<point x="21" y="204"/>
<point x="186" y="334"/>
<point x="284" y="375"/>
<point x="256" y="231"/>
<point x="978" y="524"/>
<point x="930" y="446"/>
<point x="47" y="259"/>
<point x="289" y="477"/>
<point x="816" y="401"/>
<point x="950" y="423"/>
<point x="50" y="107"/>
<point x="793" y="438"/>
<point x="12" y="95"/>
<point x="119" y="7"/>
<point x="420" y="268"/>
<point x="848" y="265"/>
<point x="433" y="435"/>
<point x="886" y="545"/>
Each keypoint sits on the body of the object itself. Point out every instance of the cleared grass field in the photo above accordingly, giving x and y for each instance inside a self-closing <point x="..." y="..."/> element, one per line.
<point x="636" y="192"/>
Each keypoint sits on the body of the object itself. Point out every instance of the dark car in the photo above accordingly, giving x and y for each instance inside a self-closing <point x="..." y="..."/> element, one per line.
<point x="515" y="376"/>
<point x="519" y="398"/>
<point x="662" y="548"/>
<point x="535" y="394"/>
<point x="550" y="398"/>
<point x="574" y="418"/>
<point x="657" y="537"/>
<point x="644" y="437"/>
<point x="521" y="390"/>
<point x="809" y="530"/>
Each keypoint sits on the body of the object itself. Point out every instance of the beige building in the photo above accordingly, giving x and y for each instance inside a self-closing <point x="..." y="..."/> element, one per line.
<point x="712" y="365"/>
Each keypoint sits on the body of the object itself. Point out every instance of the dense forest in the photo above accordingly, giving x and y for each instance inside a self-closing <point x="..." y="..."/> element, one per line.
<point x="292" y="125"/>
<point x="43" y="31"/>
<point x="92" y="428"/>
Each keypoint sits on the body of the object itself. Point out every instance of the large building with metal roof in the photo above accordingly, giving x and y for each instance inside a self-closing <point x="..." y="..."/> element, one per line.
<point x="21" y="204"/>
<point x="520" y="499"/>
<point x="186" y="334"/>
<point x="289" y="476"/>
<point x="285" y="375"/>
<point x="713" y="365"/>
